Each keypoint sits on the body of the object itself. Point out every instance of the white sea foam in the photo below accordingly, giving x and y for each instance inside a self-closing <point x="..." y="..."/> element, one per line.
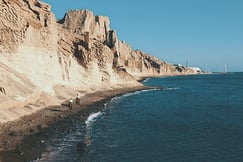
<point x="171" y="88"/>
<point x="147" y="90"/>
<point x="136" y="92"/>
<point x="115" y="100"/>
<point x="145" y="80"/>
<point x="127" y="95"/>
<point x="92" y="118"/>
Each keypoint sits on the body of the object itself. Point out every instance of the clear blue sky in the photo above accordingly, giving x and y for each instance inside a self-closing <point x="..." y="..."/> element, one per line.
<point x="207" y="33"/>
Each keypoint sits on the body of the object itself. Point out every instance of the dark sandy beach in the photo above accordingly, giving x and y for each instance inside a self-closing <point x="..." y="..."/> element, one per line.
<point x="26" y="138"/>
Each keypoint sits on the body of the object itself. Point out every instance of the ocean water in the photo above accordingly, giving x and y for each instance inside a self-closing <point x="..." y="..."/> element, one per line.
<point x="194" y="118"/>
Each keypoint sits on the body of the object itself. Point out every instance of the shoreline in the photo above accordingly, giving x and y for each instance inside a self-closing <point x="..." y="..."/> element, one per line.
<point x="26" y="138"/>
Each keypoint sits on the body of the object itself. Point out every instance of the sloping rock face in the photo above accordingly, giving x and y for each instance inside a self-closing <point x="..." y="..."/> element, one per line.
<point x="80" y="51"/>
<point x="28" y="40"/>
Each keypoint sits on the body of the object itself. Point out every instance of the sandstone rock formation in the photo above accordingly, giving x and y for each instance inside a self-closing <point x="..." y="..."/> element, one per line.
<point x="39" y="54"/>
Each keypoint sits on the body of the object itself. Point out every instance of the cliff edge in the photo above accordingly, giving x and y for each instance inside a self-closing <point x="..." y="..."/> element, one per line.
<point x="45" y="61"/>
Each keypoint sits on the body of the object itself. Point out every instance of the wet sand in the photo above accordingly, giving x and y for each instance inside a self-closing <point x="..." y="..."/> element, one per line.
<point x="26" y="138"/>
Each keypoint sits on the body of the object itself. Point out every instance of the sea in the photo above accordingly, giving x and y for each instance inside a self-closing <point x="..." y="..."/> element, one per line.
<point x="196" y="118"/>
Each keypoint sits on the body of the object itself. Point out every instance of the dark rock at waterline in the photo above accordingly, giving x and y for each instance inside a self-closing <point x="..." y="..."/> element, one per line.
<point x="81" y="147"/>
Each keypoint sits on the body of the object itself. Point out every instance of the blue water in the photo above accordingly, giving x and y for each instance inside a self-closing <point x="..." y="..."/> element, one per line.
<point x="194" y="118"/>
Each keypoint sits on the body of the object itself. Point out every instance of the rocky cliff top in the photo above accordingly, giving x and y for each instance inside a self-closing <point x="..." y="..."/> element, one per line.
<point x="82" y="21"/>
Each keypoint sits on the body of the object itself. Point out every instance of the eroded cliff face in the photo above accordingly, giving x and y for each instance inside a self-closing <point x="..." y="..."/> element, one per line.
<point x="26" y="23"/>
<point x="28" y="40"/>
<point x="80" y="52"/>
<point x="93" y="35"/>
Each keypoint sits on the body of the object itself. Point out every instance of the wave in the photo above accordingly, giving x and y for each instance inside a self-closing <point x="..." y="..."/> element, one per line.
<point x="146" y="80"/>
<point x="147" y="90"/>
<point x="92" y="118"/>
<point x="138" y="92"/>
<point x="171" y="88"/>
<point x="118" y="99"/>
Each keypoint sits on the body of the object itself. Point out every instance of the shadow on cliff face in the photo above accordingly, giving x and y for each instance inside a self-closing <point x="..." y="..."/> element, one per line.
<point x="81" y="53"/>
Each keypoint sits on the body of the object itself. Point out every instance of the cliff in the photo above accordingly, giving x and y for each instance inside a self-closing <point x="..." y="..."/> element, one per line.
<point x="41" y="57"/>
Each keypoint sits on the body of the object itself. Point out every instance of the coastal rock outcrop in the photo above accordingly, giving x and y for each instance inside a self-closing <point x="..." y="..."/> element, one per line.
<point x="39" y="54"/>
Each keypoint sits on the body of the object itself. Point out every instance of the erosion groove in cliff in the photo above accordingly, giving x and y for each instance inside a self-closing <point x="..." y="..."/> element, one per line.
<point x="41" y="55"/>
